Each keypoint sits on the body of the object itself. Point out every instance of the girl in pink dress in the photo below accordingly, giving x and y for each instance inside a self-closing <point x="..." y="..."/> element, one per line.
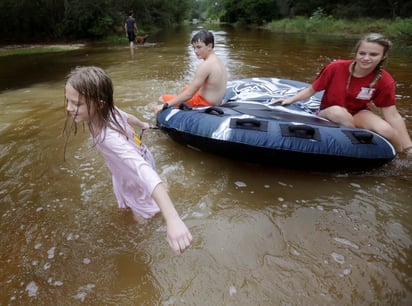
<point x="89" y="98"/>
<point x="351" y="85"/>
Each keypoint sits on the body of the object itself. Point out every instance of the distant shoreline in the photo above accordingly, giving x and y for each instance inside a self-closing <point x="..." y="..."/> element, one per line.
<point x="15" y="49"/>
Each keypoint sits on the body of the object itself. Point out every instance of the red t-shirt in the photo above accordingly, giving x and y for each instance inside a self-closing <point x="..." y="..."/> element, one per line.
<point x="333" y="79"/>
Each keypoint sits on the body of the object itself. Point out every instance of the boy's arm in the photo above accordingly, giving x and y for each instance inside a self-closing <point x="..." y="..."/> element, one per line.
<point x="178" y="235"/>
<point x="199" y="79"/>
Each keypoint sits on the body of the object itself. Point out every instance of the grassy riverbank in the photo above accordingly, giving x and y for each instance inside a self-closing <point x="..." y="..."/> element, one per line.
<point x="37" y="48"/>
<point x="399" y="30"/>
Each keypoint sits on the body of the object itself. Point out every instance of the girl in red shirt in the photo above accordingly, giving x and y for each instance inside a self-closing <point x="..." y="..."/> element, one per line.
<point x="351" y="85"/>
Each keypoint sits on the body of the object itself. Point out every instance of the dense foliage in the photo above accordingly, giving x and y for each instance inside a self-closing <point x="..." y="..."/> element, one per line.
<point x="35" y="20"/>
<point x="349" y="9"/>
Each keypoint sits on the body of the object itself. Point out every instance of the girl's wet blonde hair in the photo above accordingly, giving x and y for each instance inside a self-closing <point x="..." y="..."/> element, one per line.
<point x="377" y="39"/>
<point x="96" y="88"/>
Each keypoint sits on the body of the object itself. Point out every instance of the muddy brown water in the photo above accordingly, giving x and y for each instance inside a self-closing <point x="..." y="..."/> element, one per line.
<point x="262" y="236"/>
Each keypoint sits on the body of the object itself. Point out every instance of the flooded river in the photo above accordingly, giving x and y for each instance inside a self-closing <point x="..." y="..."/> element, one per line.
<point x="262" y="236"/>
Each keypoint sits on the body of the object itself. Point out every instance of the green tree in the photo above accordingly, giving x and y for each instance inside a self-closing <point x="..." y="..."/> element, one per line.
<point x="40" y="20"/>
<point x="28" y="20"/>
<point x="211" y="9"/>
<point x="160" y="13"/>
<point x="88" y="19"/>
<point x="353" y="9"/>
<point x="250" y="11"/>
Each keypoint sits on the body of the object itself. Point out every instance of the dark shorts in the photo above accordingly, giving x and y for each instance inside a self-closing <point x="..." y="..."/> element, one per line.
<point x="131" y="35"/>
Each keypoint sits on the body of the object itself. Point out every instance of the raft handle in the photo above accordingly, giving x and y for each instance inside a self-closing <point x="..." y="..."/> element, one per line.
<point x="185" y="106"/>
<point x="360" y="137"/>
<point x="248" y="124"/>
<point x="300" y="131"/>
<point x="214" y="109"/>
<point x="363" y="137"/>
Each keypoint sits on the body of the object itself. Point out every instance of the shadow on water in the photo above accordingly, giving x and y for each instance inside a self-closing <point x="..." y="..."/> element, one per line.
<point x="19" y="71"/>
<point x="262" y="236"/>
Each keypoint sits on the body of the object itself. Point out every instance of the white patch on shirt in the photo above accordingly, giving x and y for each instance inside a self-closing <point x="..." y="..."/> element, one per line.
<point x="365" y="93"/>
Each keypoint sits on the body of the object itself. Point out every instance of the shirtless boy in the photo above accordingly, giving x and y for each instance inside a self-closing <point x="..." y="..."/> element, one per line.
<point x="209" y="84"/>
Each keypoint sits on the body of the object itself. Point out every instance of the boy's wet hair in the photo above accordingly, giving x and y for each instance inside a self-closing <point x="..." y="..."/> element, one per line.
<point x="204" y="36"/>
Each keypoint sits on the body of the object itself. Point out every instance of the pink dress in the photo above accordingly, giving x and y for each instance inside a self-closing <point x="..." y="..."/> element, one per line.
<point x="132" y="167"/>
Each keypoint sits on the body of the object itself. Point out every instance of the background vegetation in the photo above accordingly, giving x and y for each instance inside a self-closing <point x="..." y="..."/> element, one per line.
<point x="56" y="20"/>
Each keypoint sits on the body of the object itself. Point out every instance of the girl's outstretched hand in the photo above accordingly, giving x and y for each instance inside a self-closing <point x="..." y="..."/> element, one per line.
<point x="145" y="126"/>
<point x="178" y="235"/>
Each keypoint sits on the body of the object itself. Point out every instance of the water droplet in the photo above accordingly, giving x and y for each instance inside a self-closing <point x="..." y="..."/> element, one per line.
<point x="240" y="184"/>
<point x="338" y="258"/>
<point x="32" y="289"/>
<point x="232" y="290"/>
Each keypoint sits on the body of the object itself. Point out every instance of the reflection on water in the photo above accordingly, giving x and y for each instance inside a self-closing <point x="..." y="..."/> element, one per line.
<point x="262" y="236"/>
